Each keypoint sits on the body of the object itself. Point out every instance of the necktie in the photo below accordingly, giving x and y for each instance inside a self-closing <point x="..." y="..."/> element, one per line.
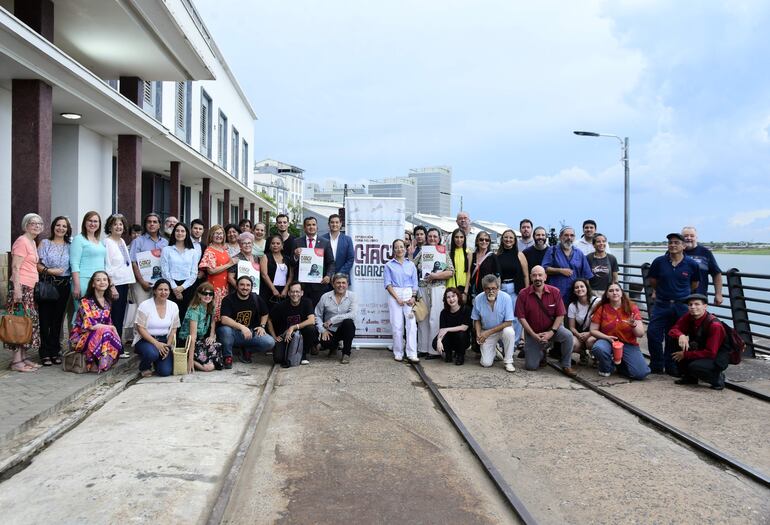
<point x="309" y="242"/>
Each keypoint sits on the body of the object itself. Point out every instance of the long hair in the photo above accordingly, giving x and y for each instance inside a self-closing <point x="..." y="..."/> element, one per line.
<point x="589" y="292"/>
<point x="91" y="292"/>
<point x="68" y="235"/>
<point x="87" y="216"/>
<point x="453" y="248"/>
<point x="515" y="248"/>
<point x="625" y="302"/>
<point x="196" y="300"/>
<point x="187" y="240"/>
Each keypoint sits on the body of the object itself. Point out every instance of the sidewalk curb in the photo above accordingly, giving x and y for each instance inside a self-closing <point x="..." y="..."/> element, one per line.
<point x="37" y="444"/>
<point x="123" y="366"/>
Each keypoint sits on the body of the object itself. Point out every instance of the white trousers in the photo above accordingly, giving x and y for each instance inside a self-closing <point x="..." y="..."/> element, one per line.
<point x="428" y="327"/>
<point x="400" y="317"/>
<point x="488" y="347"/>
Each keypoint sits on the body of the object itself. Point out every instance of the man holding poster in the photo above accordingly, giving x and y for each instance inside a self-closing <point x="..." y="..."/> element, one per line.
<point x="434" y="269"/>
<point x="313" y="261"/>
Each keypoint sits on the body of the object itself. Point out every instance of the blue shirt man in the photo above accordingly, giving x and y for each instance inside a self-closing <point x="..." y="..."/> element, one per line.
<point x="707" y="264"/>
<point x="673" y="277"/>
<point x="564" y="264"/>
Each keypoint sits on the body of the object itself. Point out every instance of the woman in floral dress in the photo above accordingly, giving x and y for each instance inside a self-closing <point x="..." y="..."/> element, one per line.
<point x="215" y="262"/>
<point x="93" y="333"/>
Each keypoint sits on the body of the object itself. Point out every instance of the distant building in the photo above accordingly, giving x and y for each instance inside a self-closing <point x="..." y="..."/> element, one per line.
<point x="397" y="187"/>
<point x="274" y="186"/>
<point x="332" y="191"/>
<point x="292" y="178"/>
<point x="434" y="189"/>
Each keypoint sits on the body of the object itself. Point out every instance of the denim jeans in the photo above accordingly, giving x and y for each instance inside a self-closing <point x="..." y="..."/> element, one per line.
<point x="149" y="355"/>
<point x="664" y="315"/>
<point x="633" y="364"/>
<point x="230" y="337"/>
<point x="510" y="290"/>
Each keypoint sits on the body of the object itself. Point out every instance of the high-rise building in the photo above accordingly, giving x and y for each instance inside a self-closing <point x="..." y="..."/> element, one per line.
<point x="332" y="191"/>
<point x="397" y="187"/>
<point x="434" y="190"/>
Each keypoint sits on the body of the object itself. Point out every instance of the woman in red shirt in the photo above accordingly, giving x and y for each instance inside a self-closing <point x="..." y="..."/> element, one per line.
<point x="617" y="318"/>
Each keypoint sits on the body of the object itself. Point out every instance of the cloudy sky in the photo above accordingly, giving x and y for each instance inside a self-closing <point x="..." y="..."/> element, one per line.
<point x="357" y="90"/>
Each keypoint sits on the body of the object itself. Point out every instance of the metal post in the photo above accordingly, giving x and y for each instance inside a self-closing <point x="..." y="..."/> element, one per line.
<point x="740" y="316"/>
<point x="627" y="206"/>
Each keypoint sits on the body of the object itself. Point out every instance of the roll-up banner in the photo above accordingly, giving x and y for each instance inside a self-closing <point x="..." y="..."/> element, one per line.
<point x="373" y="223"/>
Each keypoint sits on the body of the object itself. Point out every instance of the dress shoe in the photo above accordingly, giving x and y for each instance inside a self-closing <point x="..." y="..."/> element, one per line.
<point x="430" y="357"/>
<point x="687" y="381"/>
<point x="569" y="371"/>
<point x="459" y="359"/>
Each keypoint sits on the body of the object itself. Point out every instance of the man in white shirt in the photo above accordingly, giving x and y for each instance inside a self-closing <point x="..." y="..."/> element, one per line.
<point x="586" y="243"/>
<point x="342" y="245"/>
<point x="464" y="223"/>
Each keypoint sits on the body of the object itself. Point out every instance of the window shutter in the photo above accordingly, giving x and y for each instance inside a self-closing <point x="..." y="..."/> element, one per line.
<point x="180" y="105"/>
<point x="148" y="101"/>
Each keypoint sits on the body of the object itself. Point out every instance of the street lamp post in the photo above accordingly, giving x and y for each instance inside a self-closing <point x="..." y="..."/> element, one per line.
<point x="626" y="190"/>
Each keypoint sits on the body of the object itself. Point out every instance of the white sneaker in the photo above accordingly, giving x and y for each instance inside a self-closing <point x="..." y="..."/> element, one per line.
<point x="509" y="367"/>
<point x="498" y="355"/>
<point x="399" y="359"/>
<point x="413" y="359"/>
<point x="605" y="374"/>
<point x="304" y="362"/>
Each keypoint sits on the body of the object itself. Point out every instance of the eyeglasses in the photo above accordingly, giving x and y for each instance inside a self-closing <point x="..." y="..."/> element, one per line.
<point x="206" y="294"/>
<point x="35" y="223"/>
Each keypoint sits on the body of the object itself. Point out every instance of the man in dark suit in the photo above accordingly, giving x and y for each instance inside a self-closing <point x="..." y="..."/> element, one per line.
<point x="310" y="239"/>
<point x="342" y="246"/>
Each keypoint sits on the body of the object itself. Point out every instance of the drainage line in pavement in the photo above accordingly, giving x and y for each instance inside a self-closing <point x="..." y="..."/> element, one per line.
<point x="228" y="486"/>
<point x="694" y="442"/>
<point x="494" y="474"/>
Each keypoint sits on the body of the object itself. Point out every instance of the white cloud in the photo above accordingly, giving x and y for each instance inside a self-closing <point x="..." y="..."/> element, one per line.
<point x="746" y="218"/>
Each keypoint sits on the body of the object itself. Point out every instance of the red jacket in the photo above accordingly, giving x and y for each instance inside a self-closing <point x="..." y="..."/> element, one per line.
<point x="714" y="335"/>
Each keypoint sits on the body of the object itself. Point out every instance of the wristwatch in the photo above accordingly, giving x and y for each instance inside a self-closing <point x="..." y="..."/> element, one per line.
<point x="554" y="330"/>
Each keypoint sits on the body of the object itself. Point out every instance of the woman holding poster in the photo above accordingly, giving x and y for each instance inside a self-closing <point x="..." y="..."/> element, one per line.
<point x="434" y="268"/>
<point x="246" y="263"/>
<point x="400" y="279"/>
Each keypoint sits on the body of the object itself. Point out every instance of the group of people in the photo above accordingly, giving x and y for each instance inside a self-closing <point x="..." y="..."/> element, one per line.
<point x="235" y="289"/>
<point x="561" y="299"/>
<point x="241" y="289"/>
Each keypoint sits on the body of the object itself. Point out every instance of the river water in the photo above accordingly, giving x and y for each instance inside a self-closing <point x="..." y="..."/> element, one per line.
<point x="744" y="263"/>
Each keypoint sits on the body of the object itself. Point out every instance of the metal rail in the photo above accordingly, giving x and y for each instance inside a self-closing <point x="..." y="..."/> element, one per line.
<point x="494" y="474"/>
<point x="692" y="441"/>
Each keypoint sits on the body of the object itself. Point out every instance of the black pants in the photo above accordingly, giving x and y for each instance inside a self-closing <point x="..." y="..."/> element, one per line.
<point x="708" y="370"/>
<point x="51" y="317"/>
<point x="345" y="332"/>
<point x="309" y="340"/>
<point x="118" y="308"/>
<point x="455" y="344"/>
<point x="182" y="303"/>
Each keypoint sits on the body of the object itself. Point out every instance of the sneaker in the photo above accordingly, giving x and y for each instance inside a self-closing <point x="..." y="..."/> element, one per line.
<point x="304" y="362"/>
<point x="509" y="367"/>
<point x="246" y="357"/>
<point x="605" y="374"/>
<point x="413" y="359"/>
<point x="498" y="355"/>
<point x="228" y="362"/>
<point x="345" y="359"/>
<point x="399" y="359"/>
<point x="124" y="355"/>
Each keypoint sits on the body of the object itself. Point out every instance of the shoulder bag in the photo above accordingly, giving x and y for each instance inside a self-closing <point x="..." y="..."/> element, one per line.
<point x="74" y="362"/>
<point x="45" y="290"/>
<point x="16" y="327"/>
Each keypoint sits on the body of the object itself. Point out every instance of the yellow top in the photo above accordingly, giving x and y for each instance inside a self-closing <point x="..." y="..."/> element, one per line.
<point x="460" y="278"/>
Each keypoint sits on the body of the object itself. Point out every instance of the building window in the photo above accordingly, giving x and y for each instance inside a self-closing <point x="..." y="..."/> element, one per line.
<point x="151" y="99"/>
<point x="235" y="146"/>
<point x="245" y="162"/>
<point x="222" y="141"/>
<point x="206" y="123"/>
<point x="185" y="204"/>
<point x="220" y="211"/>
<point x="234" y="217"/>
<point x="182" y="96"/>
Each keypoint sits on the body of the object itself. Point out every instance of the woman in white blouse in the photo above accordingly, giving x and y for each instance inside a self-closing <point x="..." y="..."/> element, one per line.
<point x="118" y="267"/>
<point x="157" y="320"/>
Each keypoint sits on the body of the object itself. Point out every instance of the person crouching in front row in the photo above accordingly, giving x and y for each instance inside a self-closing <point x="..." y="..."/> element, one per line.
<point x="287" y="320"/>
<point x="243" y="323"/>
<point x="335" y="316"/>
<point x="700" y="336"/>
<point x="493" y="319"/>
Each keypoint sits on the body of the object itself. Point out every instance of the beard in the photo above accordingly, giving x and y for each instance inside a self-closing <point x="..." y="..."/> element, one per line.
<point x="566" y="244"/>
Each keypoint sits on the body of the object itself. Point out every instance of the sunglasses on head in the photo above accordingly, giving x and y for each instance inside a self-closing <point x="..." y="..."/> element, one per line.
<point x="206" y="294"/>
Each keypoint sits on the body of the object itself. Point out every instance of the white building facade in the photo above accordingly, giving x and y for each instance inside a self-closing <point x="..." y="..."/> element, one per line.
<point x="292" y="179"/>
<point x="434" y="189"/>
<point x="155" y="121"/>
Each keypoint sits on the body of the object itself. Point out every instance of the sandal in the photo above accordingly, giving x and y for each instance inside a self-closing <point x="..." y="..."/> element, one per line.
<point x="46" y="361"/>
<point x="31" y="364"/>
<point x="21" y="366"/>
<point x="57" y="360"/>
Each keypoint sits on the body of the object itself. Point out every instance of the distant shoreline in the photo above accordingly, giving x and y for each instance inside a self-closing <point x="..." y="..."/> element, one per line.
<point x="743" y="250"/>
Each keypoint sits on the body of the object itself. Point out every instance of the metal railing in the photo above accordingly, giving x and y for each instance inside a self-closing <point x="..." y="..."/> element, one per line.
<point x="745" y="305"/>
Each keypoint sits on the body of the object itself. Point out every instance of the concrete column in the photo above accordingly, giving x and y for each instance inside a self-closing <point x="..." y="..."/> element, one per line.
<point x="241" y="208"/>
<point x="130" y="177"/>
<point x="206" y="203"/>
<point x="267" y="217"/>
<point x="259" y="219"/>
<point x="31" y="143"/>
<point x="175" y="207"/>
<point x="251" y="213"/>
<point x="226" y="204"/>
<point x="133" y="89"/>
<point x="37" y="14"/>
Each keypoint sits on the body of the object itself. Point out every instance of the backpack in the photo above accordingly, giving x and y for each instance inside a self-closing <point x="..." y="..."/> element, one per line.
<point x="733" y="345"/>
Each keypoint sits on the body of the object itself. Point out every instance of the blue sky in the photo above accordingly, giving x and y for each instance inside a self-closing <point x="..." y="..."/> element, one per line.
<point x="359" y="90"/>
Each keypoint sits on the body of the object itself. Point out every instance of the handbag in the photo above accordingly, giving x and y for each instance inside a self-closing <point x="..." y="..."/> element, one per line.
<point x="16" y="327"/>
<point x="45" y="291"/>
<point x="74" y="362"/>
<point x="420" y="310"/>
